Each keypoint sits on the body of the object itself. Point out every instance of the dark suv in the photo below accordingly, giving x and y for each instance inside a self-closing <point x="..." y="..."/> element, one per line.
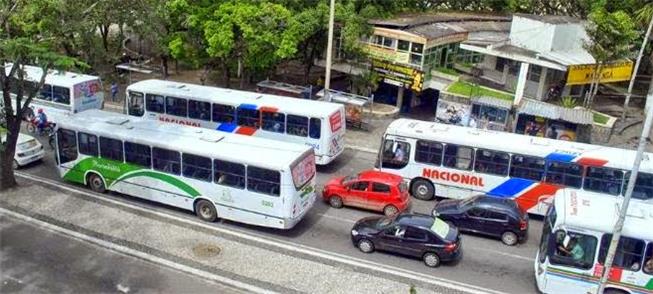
<point x="487" y="215"/>
<point x="421" y="236"/>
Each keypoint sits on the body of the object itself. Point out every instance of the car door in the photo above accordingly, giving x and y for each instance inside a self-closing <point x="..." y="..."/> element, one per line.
<point x="357" y="194"/>
<point x="413" y="241"/>
<point x="378" y="197"/>
<point x="392" y="237"/>
<point x="475" y="220"/>
<point x="495" y="222"/>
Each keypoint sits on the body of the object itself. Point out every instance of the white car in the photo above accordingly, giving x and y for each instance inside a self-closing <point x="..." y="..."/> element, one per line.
<point x="28" y="150"/>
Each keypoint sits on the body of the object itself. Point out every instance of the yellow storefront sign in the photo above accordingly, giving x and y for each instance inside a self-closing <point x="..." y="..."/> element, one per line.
<point x="405" y="76"/>
<point x="386" y="54"/>
<point x="610" y="73"/>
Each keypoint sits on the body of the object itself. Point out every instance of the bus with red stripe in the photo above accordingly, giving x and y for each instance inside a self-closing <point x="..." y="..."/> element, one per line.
<point x="456" y="162"/>
<point x="318" y="124"/>
<point x="576" y="235"/>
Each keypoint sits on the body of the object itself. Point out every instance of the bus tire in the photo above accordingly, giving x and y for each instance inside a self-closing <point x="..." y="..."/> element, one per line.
<point x="95" y="183"/>
<point x="205" y="210"/>
<point x="422" y="189"/>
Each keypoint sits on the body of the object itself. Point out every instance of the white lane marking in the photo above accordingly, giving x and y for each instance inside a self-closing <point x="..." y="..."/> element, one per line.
<point x="343" y="219"/>
<point x="362" y="149"/>
<point x="506" y="254"/>
<point x="136" y="253"/>
<point x="288" y="246"/>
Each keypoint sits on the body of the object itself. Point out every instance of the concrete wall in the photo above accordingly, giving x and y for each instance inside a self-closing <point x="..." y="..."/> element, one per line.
<point x="531" y="34"/>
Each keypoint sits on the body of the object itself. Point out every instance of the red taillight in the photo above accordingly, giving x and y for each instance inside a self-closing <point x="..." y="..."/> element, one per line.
<point x="450" y="247"/>
<point x="523" y="225"/>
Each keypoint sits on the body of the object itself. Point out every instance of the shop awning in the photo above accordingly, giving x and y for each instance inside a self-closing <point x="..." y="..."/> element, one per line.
<point x="491" y="101"/>
<point x="551" y="111"/>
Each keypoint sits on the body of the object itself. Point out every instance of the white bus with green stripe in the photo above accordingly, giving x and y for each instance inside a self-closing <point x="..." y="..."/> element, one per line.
<point x="250" y="180"/>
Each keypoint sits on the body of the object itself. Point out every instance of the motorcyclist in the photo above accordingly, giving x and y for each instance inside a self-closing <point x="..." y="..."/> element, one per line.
<point x="41" y="120"/>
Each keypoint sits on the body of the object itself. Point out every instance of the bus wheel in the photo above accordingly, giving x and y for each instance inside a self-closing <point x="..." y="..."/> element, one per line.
<point x="96" y="183"/>
<point x="206" y="211"/>
<point x="423" y="190"/>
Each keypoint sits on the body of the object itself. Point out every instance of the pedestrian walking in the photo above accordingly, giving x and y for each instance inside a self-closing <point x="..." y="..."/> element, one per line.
<point x="114" y="91"/>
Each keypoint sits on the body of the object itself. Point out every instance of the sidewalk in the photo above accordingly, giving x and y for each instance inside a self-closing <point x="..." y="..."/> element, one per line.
<point x="198" y="247"/>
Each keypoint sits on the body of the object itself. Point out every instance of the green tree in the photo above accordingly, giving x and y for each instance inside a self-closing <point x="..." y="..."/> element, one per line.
<point x="611" y="36"/>
<point x="23" y="41"/>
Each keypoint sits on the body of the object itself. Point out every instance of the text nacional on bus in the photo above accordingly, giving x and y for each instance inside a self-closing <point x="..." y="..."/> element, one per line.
<point x="453" y="177"/>
<point x="178" y="121"/>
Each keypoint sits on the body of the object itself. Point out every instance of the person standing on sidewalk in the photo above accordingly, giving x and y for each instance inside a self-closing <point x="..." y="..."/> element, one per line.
<point x="114" y="91"/>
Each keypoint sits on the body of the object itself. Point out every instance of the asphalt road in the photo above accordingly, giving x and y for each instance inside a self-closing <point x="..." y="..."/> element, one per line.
<point x="486" y="262"/>
<point x="36" y="260"/>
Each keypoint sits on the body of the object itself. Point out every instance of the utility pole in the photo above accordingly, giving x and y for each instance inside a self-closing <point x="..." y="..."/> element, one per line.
<point x="632" y="78"/>
<point x="327" y="76"/>
<point x="616" y="235"/>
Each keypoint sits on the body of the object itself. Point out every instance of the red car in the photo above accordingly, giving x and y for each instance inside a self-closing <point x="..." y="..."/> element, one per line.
<point x="369" y="189"/>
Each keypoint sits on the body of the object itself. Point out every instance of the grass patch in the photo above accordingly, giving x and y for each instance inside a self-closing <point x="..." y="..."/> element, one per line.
<point x="465" y="65"/>
<point x="448" y="71"/>
<point x="600" y="118"/>
<point x="466" y="89"/>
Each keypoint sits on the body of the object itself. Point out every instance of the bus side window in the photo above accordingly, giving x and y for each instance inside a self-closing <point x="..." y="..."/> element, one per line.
<point x="46" y="93"/>
<point x="643" y="186"/>
<point x="223" y="113"/>
<point x="429" y="152"/>
<point x="199" y="110"/>
<point x="138" y="154"/>
<point x="248" y="117"/>
<point x="395" y="154"/>
<point x="229" y="173"/>
<point x="263" y="180"/>
<point x="167" y="161"/>
<point x="297" y="125"/>
<point x="527" y="167"/>
<point x="603" y="180"/>
<point x="111" y="149"/>
<point x="61" y="95"/>
<point x="492" y="162"/>
<point x="87" y="144"/>
<point x="197" y="167"/>
<point x="629" y="254"/>
<point x="136" y="104"/>
<point x="154" y="103"/>
<point x="458" y="157"/>
<point x="177" y="106"/>
<point x="274" y="121"/>
<point x="315" y="128"/>
<point x="67" y="145"/>
<point x="567" y="174"/>
<point x="648" y="260"/>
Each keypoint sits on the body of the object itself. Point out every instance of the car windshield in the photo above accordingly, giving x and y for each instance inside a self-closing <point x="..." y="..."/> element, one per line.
<point x="468" y="201"/>
<point x="440" y="228"/>
<point x="385" y="221"/>
<point x="349" y="179"/>
<point x="27" y="144"/>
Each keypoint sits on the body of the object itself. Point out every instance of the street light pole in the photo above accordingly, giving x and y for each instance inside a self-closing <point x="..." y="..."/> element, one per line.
<point x="327" y="76"/>
<point x="624" y="206"/>
<point x="637" y="62"/>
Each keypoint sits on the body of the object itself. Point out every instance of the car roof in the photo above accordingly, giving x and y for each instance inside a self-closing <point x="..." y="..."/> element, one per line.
<point x="497" y="202"/>
<point x="418" y="220"/>
<point x="379" y="176"/>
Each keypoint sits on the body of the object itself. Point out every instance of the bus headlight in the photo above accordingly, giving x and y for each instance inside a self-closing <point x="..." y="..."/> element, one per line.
<point x="354" y="233"/>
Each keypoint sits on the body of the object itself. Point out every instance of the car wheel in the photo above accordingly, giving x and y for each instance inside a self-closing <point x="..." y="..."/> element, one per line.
<point x="206" y="211"/>
<point x="96" y="183"/>
<point x="366" y="246"/>
<point x="509" y="238"/>
<point x="15" y="165"/>
<point x="423" y="190"/>
<point x="335" y="201"/>
<point x="390" y="210"/>
<point x="431" y="259"/>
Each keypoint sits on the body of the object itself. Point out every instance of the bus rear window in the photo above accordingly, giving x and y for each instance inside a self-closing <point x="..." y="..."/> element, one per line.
<point x="303" y="171"/>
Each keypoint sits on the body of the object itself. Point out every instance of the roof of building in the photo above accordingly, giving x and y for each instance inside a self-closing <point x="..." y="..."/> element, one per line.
<point x="411" y="20"/>
<point x="551" y="111"/>
<point x="552" y="19"/>
<point x="491" y="101"/>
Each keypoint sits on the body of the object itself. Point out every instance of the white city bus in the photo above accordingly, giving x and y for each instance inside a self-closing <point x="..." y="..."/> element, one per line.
<point x="315" y="123"/>
<point x="457" y="162"/>
<point x="575" y="240"/>
<point x="216" y="175"/>
<point x="62" y="93"/>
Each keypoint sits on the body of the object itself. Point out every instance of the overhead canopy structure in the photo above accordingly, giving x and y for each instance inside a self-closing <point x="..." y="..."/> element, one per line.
<point x="542" y="109"/>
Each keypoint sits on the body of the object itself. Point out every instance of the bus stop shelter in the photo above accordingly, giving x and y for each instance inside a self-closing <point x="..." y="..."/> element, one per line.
<point x="285" y="89"/>
<point x="357" y="107"/>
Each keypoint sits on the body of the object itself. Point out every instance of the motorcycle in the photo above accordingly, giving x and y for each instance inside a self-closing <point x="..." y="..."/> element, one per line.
<point x="33" y="126"/>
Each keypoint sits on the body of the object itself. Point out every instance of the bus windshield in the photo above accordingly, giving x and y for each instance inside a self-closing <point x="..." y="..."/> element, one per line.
<point x="303" y="170"/>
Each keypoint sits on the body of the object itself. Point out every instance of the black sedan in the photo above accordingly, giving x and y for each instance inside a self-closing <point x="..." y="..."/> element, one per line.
<point x="487" y="215"/>
<point x="421" y="236"/>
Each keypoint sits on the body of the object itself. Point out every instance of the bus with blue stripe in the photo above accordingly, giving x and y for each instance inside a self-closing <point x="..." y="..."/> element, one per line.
<point x="318" y="124"/>
<point x="457" y="162"/>
<point x="576" y="235"/>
